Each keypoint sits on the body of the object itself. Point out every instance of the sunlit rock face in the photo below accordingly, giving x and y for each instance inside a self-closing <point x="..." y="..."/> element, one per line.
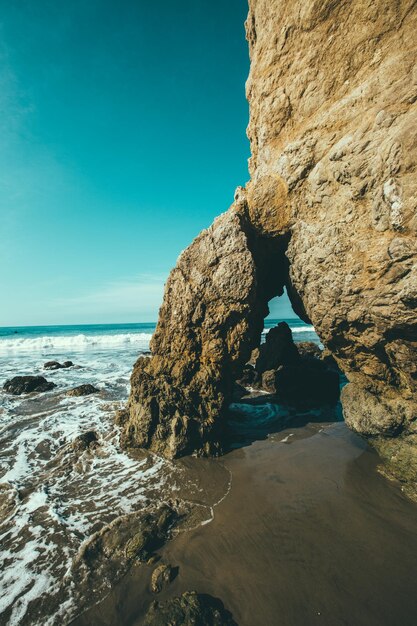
<point x="333" y="129"/>
<point x="330" y="210"/>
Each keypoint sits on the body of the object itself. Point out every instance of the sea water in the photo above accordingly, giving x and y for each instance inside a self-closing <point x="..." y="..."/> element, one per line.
<point x="51" y="500"/>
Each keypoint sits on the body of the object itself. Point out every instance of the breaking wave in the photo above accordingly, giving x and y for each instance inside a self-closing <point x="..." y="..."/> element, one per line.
<point x="296" y="329"/>
<point x="68" y="342"/>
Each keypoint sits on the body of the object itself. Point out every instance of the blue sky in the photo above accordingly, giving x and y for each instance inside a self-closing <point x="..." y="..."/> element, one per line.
<point x="122" y="135"/>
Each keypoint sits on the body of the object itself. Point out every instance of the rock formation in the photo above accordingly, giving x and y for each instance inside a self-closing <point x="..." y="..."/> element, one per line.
<point x="329" y="212"/>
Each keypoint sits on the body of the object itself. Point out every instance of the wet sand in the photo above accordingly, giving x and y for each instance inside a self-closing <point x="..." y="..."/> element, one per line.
<point x="309" y="534"/>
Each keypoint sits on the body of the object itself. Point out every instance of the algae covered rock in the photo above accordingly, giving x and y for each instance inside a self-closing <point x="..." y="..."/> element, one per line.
<point x="189" y="609"/>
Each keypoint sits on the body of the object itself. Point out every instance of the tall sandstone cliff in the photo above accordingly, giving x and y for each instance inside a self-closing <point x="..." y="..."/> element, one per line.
<point x="329" y="212"/>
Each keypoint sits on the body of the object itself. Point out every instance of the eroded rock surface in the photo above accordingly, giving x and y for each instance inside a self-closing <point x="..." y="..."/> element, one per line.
<point x="329" y="211"/>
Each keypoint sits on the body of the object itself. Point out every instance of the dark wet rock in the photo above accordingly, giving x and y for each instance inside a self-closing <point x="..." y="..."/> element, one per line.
<point x="278" y="349"/>
<point x="27" y="384"/>
<point x="55" y="365"/>
<point x="309" y="349"/>
<point x="161" y="577"/>
<point x="189" y="609"/>
<point x="307" y="385"/>
<point x="83" y="390"/>
<point x="85" y="441"/>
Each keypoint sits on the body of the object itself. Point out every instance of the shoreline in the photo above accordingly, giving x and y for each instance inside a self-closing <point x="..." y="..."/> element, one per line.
<point x="309" y="533"/>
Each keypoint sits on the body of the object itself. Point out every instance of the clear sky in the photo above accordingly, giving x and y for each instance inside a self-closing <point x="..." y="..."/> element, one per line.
<point x="122" y="135"/>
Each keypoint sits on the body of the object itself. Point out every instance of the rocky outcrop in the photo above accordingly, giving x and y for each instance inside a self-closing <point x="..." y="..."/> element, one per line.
<point x="212" y="317"/>
<point x="329" y="212"/>
<point x="27" y="384"/>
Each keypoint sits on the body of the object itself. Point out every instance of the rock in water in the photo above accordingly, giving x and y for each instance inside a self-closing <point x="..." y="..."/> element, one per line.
<point x="27" y="384"/>
<point x="55" y="365"/>
<point x="83" y="390"/>
<point x="187" y="610"/>
<point x="329" y="212"/>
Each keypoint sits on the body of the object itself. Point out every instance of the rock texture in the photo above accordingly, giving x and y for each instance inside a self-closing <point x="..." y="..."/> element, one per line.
<point x="329" y="212"/>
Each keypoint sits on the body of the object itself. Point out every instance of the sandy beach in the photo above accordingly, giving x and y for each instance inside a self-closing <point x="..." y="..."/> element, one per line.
<point x="309" y="533"/>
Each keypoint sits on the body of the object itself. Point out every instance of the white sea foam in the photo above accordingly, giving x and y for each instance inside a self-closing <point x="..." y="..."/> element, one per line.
<point x="68" y="342"/>
<point x="296" y="329"/>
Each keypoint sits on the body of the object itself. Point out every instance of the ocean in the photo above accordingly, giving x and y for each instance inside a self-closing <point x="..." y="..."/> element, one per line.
<point x="52" y="499"/>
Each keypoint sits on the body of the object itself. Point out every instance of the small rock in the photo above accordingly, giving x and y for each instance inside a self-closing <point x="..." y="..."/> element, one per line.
<point x="161" y="577"/>
<point x="188" y="609"/>
<point x="82" y="390"/>
<point x="85" y="441"/>
<point x="27" y="384"/>
<point x="55" y="365"/>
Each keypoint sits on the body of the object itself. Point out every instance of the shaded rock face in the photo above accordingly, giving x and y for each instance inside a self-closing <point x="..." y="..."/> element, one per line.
<point x="329" y="211"/>
<point x="296" y="374"/>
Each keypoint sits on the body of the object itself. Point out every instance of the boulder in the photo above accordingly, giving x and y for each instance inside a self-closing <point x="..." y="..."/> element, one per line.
<point x="278" y="349"/>
<point x="82" y="390"/>
<point x="189" y="609"/>
<point x="27" y="384"/>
